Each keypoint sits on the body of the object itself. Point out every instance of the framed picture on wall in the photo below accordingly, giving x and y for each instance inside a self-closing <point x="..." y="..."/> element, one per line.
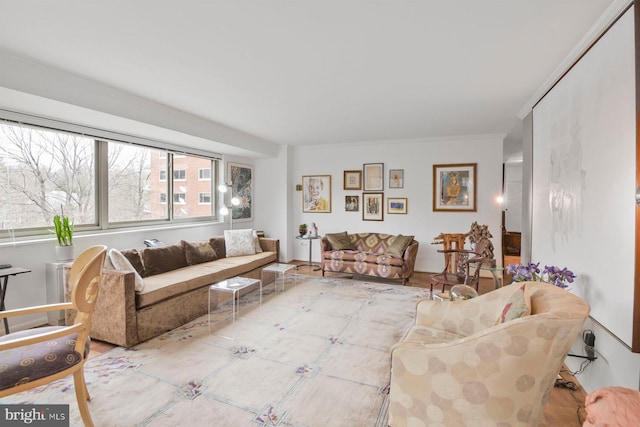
<point x="373" y="176"/>
<point x="372" y="206"/>
<point x="352" y="180"/>
<point x="241" y="178"/>
<point x="397" y="205"/>
<point x="316" y="190"/>
<point x="351" y="203"/>
<point x="454" y="187"/>
<point x="396" y="178"/>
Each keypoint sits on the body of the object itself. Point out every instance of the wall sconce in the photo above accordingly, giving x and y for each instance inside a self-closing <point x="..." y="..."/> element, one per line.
<point x="226" y="210"/>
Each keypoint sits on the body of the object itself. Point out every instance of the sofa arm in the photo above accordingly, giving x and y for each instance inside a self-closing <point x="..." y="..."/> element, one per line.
<point x="114" y="318"/>
<point x="270" y="245"/>
<point x="324" y="245"/>
<point x="463" y="317"/>
<point x="499" y="374"/>
<point x="409" y="259"/>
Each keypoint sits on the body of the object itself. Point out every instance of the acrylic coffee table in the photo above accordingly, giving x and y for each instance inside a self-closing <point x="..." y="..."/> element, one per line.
<point x="232" y="286"/>
<point x="278" y="271"/>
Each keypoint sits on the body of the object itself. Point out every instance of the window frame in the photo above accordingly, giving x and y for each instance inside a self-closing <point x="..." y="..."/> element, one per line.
<point x="101" y="140"/>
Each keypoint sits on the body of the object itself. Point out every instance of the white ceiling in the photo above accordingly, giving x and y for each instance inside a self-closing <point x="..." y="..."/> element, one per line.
<point x="315" y="72"/>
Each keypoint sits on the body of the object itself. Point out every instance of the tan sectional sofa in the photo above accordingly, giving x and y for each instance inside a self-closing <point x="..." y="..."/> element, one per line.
<point x="372" y="254"/>
<point x="175" y="288"/>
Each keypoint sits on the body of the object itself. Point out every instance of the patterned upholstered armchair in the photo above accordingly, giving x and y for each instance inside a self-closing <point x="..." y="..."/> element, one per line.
<point x="35" y="357"/>
<point x="475" y="362"/>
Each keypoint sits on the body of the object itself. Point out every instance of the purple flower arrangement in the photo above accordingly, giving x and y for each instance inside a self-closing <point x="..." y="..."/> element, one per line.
<point x="559" y="277"/>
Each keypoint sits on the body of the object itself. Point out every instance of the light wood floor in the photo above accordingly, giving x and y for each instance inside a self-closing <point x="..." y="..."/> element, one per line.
<point x="565" y="406"/>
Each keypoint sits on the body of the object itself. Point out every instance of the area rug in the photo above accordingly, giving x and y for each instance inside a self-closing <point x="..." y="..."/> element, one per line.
<point x="315" y="354"/>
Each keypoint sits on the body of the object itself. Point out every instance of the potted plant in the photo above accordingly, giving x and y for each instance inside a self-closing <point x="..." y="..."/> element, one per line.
<point x="302" y="229"/>
<point x="64" y="234"/>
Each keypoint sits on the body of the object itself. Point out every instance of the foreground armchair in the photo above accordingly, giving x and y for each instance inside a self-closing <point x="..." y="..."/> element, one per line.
<point x="39" y="356"/>
<point x="476" y="362"/>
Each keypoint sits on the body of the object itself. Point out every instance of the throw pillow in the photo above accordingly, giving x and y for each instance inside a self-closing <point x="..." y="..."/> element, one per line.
<point x="398" y="245"/>
<point x="239" y="242"/>
<point x="120" y="262"/>
<point x="161" y="259"/>
<point x="517" y="307"/>
<point x="256" y="242"/>
<point x="108" y="263"/>
<point x="340" y="241"/>
<point x="217" y="243"/>
<point x="135" y="259"/>
<point x="198" y="252"/>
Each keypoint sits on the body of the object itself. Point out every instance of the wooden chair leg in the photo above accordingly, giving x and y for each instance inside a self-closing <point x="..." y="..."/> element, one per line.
<point x="82" y="396"/>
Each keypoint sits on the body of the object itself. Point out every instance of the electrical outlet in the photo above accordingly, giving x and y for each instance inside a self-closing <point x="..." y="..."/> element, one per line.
<point x="589" y="344"/>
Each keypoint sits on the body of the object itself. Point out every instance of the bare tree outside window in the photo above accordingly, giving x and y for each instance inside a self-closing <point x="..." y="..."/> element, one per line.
<point x="43" y="172"/>
<point x="131" y="192"/>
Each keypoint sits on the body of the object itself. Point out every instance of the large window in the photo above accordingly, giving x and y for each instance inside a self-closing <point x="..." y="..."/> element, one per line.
<point x="45" y="171"/>
<point x="135" y="182"/>
<point x="189" y="185"/>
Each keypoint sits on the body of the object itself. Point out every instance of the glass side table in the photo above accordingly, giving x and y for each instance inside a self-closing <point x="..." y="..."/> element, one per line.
<point x="278" y="271"/>
<point x="233" y="286"/>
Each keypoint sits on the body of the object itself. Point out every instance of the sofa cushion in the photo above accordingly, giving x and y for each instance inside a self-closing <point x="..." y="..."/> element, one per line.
<point x="256" y="242"/>
<point x="198" y="252"/>
<point x="217" y="243"/>
<point x="239" y="242"/>
<point x="371" y="242"/>
<point x="162" y="259"/>
<point x="517" y="306"/>
<point x="135" y="259"/>
<point x="33" y="362"/>
<point x="176" y="282"/>
<point x="340" y="241"/>
<point x="428" y="335"/>
<point x="398" y="244"/>
<point x="120" y="262"/>
<point x="370" y="258"/>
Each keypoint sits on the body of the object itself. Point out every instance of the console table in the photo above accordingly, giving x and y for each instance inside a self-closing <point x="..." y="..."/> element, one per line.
<point x="4" y="277"/>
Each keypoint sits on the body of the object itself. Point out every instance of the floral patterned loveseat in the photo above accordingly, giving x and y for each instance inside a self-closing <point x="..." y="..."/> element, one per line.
<point x="372" y="254"/>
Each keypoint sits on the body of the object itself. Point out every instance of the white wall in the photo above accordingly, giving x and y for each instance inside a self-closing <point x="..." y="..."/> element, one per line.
<point x="584" y="163"/>
<point x="417" y="158"/>
<point x="273" y="193"/>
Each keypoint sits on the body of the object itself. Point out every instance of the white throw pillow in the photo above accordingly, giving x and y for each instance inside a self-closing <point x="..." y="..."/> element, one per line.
<point x="239" y="242"/>
<point x="256" y="242"/>
<point x="120" y="262"/>
<point x="108" y="263"/>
